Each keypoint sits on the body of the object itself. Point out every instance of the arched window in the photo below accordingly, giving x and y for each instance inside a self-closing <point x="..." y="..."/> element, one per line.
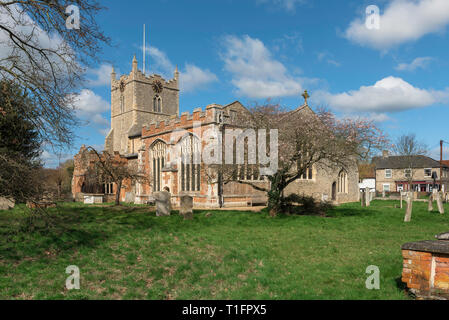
<point x="157" y="103"/>
<point x="190" y="173"/>
<point x="158" y="162"/>
<point x="343" y="182"/>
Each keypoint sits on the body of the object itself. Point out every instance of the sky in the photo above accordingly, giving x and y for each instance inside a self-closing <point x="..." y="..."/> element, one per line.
<point x="254" y="50"/>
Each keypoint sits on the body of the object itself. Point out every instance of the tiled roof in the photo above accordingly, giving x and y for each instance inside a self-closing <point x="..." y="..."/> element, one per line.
<point x="401" y="162"/>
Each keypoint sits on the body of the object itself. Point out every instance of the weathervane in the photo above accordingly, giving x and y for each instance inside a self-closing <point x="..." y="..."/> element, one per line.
<point x="306" y="96"/>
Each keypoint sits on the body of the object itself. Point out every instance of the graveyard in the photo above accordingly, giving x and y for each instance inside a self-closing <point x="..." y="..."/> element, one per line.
<point x="127" y="252"/>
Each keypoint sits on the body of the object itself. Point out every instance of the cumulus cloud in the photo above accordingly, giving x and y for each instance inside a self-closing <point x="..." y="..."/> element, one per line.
<point x="387" y="95"/>
<point x="191" y="77"/>
<point x="402" y="21"/>
<point x="420" y="62"/>
<point x="100" y="76"/>
<point x="89" y="106"/>
<point x="255" y="73"/>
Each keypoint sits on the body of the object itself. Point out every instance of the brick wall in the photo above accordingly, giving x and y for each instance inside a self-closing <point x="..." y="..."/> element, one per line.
<point x="426" y="274"/>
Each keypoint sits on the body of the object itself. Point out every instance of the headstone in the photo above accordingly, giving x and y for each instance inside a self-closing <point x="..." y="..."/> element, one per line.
<point x="443" y="236"/>
<point x="367" y="195"/>
<point x="186" y="207"/>
<point x="383" y="194"/>
<point x="437" y="197"/>
<point x="408" y="212"/>
<point x="430" y="204"/>
<point x="363" y="198"/>
<point x="163" y="203"/>
<point x="6" y="204"/>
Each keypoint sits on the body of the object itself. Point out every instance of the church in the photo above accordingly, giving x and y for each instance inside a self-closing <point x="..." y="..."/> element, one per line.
<point x="145" y="126"/>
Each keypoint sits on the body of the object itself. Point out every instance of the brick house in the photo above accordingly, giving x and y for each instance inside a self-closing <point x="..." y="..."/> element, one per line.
<point x="146" y="127"/>
<point x="392" y="174"/>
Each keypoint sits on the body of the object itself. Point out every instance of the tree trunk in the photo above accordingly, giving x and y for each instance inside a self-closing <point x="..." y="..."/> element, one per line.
<point x="408" y="213"/>
<point x="363" y="198"/>
<point x="275" y="195"/>
<point x="117" y="193"/>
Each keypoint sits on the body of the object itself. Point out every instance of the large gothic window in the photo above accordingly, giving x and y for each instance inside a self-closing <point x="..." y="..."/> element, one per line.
<point x="157" y="103"/>
<point x="157" y="162"/>
<point x="343" y="182"/>
<point x="190" y="173"/>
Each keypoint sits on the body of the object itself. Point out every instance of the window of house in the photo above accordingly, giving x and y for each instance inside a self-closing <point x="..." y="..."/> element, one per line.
<point x="407" y="172"/>
<point x="157" y="104"/>
<point x="427" y="173"/>
<point x="342" y="183"/>
<point x="400" y="187"/>
<point x="158" y="162"/>
<point x="386" y="187"/>
<point x="190" y="177"/>
<point x="388" y="173"/>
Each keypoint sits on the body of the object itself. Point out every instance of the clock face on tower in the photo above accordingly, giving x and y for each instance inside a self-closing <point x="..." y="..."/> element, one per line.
<point x="157" y="86"/>
<point x="122" y="86"/>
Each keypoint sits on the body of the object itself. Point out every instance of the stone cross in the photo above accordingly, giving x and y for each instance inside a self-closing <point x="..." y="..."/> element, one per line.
<point x="306" y="96"/>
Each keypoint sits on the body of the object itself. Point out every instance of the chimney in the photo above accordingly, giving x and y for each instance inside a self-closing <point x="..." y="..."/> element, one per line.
<point x="385" y="154"/>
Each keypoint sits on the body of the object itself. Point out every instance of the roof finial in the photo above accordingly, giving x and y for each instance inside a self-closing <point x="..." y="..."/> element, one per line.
<point x="306" y="96"/>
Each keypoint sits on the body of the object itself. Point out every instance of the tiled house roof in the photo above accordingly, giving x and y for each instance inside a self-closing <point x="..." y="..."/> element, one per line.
<point x="401" y="162"/>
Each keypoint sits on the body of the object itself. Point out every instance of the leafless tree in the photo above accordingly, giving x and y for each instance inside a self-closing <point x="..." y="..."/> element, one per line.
<point x="305" y="139"/>
<point x="112" y="168"/>
<point x="409" y="148"/>
<point x="48" y="60"/>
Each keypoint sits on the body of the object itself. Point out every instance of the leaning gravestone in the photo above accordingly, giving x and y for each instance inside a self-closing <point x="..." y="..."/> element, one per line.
<point x="363" y="198"/>
<point x="437" y="196"/>
<point x="163" y="203"/>
<point x="186" y="207"/>
<point x="6" y="204"/>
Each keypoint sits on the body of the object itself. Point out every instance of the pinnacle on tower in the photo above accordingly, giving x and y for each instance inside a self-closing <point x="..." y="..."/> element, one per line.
<point x="176" y="73"/>
<point x="134" y="63"/>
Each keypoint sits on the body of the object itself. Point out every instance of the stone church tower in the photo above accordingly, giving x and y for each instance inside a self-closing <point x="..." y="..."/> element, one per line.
<point x="137" y="100"/>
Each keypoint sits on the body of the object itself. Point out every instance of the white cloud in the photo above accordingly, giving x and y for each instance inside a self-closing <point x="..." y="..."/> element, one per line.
<point x="328" y="58"/>
<point x="102" y="76"/>
<point x="420" y="62"/>
<point x="88" y="102"/>
<point x="255" y="73"/>
<point x="387" y="95"/>
<point x="191" y="77"/>
<point x="401" y="22"/>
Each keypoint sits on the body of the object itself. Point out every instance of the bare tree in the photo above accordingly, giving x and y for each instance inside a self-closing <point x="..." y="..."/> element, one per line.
<point x="409" y="149"/>
<point x="112" y="168"/>
<point x="306" y="139"/>
<point x="47" y="59"/>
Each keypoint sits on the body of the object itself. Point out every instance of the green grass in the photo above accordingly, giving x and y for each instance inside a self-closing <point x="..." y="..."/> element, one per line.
<point x="129" y="253"/>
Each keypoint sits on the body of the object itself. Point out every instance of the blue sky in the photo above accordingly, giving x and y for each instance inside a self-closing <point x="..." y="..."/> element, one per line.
<point x="252" y="50"/>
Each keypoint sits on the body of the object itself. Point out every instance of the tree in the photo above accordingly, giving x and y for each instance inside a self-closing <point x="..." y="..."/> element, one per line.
<point x="48" y="60"/>
<point x="306" y="139"/>
<point x="409" y="149"/>
<point x="19" y="145"/>
<point x="111" y="168"/>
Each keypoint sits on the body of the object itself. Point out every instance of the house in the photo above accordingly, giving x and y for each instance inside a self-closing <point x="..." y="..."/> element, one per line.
<point x="393" y="173"/>
<point x="148" y="132"/>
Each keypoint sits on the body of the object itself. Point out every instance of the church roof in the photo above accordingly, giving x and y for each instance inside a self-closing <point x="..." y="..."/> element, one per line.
<point x="135" y="131"/>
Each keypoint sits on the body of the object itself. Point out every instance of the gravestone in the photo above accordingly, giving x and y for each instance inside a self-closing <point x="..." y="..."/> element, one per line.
<point x="368" y="197"/>
<point x="6" y="204"/>
<point x="163" y="203"/>
<point x="186" y="207"/>
<point x="430" y="204"/>
<point x="363" y="198"/>
<point x="437" y="196"/>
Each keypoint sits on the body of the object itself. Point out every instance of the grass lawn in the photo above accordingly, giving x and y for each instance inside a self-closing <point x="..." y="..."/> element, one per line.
<point x="129" y="253"/>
